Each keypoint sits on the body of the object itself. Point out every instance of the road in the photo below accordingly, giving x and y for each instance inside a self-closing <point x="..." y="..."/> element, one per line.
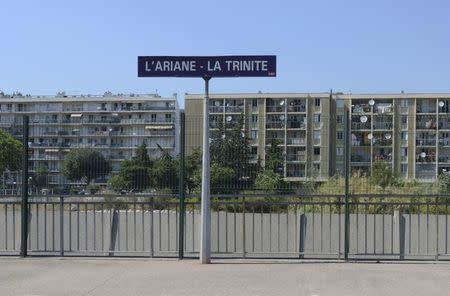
<point x="75" y="276"/>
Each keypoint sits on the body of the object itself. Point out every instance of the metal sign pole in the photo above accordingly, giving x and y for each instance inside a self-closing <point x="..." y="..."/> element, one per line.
<point x="205" y="235"/>
<point x="206" y="67"/>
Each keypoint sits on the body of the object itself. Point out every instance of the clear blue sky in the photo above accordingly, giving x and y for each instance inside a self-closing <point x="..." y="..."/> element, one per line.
<point x="90" y="46"/>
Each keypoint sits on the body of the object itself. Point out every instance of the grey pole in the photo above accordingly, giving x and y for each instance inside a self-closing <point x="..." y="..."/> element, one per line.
<point x="205" y="233"/>
<point x="24" y="205"/>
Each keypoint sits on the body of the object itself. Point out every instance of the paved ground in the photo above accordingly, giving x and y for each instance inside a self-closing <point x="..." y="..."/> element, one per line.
<point x="75" y="276"/>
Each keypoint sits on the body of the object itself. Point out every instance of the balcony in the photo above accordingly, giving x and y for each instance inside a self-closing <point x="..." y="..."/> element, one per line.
<point x="444" y="158"/>
<point x="296" y="141"/>
<point x="361" y="126"/>
<point x="426" y="157"/>
<point x="275" y="124"/>
<point x="425" y="142"/>
<point x="296" y="157"/>
<point x="382" y="125"/>
<point x="216" y="109"/>
<point x="234" y="109"/>
<point x="360" y="158"/>
<point x="275" y="108"/>
<point x="296" y="124"/>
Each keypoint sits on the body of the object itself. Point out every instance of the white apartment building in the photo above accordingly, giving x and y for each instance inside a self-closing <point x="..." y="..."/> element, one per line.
<point x="115" y="124"/>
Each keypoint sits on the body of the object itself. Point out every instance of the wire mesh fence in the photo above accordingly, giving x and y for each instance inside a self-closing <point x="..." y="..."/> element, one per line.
<point x="278" y="183"/>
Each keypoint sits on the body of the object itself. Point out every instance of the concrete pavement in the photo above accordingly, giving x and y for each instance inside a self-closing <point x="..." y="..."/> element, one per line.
<point x="80" y="276"/>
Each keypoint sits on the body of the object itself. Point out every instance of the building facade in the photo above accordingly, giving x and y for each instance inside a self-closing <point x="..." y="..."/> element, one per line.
<point x="410" y="132"/>
<point x="300" y="124"/>
<point x="113" y="124"/>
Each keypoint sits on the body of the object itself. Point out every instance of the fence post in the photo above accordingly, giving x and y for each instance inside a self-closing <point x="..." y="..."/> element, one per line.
<point x="243" y="227"/>
<point x="24" y="205"/>
<point x="436" y="214"/>
<point x="346" y="172"/>
<point x="303" y="225"/>
<point x="61" y="226"/>
<point x="181" y="188"/>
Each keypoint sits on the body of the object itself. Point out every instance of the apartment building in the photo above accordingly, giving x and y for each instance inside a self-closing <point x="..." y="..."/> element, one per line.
<point x="115" y="124"/>
<point x="299" y="122"/>
<point x="411" y="132"/>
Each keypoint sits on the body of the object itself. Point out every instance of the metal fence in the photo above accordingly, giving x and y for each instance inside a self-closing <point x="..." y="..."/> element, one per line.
<point x="259" y="208"/>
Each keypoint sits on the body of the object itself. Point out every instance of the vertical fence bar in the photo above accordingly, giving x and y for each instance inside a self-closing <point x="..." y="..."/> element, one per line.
<point x="181" y="188"/>
<point x="347" y="168"/>
<point x="436" y="214"/>
<point x="61" y="226"/>
<point x="243" y="226"/>
<point x="24" y="208"/>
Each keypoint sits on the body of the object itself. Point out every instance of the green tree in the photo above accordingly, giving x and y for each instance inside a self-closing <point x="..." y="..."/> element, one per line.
<point x="220" y="178"/>
<point x="274" y="157"/>
<point x="134" y="174"/>
<point x="268" y="180"/>
<point x="165" y="171"/>
<point x="10" y="153"/>
<point x="381" y="174"/>
<point x="230" y="146"/>
<point x="40" y="177"/>
<point x="192" y="163"/>
<point x="141" y="157"/>
<point x="443" y="183"/>
<point x="85" y="165"/>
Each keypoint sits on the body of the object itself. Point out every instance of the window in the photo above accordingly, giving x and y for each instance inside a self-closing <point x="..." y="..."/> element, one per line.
<point x="317" y="102"/>
<point x="340" y="118"/>
<point x="317" y="135"/>
<point x="404" y="152"/>
<point x="317" y="118"/>
<point x="404" y="119"/>
<point x="403" y="103"/>
<point x="339" y="103"/>
<point x="255" y="103"/>
<point x="316" y="150"/>
<point x="340" y="151"/>
<point x="317" y="167"/>
<point x="404" y="135"/>
<point x="254" y="119"/>
<point x="254" y="135"/>
<point x="168" y="117"/>
<point x="153" y="116"/>
<point x="340" y="135"/>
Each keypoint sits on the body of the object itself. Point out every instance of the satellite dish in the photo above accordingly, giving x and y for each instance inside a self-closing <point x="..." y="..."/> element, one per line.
<point x="282" y="117"/>
<point x="363" y="119"/>
<point x="217" y="103"/>
<point x="282" y="103"/>
<point x="388" y="136"/>
<point x="372" y="102"/>
<point x="223" y="136"/>
<point x="229" y="118"/>
<point x="423" y="154"/>
<point x="441" y="104"/>
<point x="370" y="136"/>
<point x="242" y="134"/>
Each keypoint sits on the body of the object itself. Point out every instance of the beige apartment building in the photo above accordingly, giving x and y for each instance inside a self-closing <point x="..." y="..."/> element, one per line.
<point x="114" y="124"/>
<point x="411" y="132"/>
<point x="299" y="122"/>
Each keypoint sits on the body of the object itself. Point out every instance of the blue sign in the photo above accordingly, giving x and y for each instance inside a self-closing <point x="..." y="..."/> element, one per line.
<point x="201" y="66"/>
